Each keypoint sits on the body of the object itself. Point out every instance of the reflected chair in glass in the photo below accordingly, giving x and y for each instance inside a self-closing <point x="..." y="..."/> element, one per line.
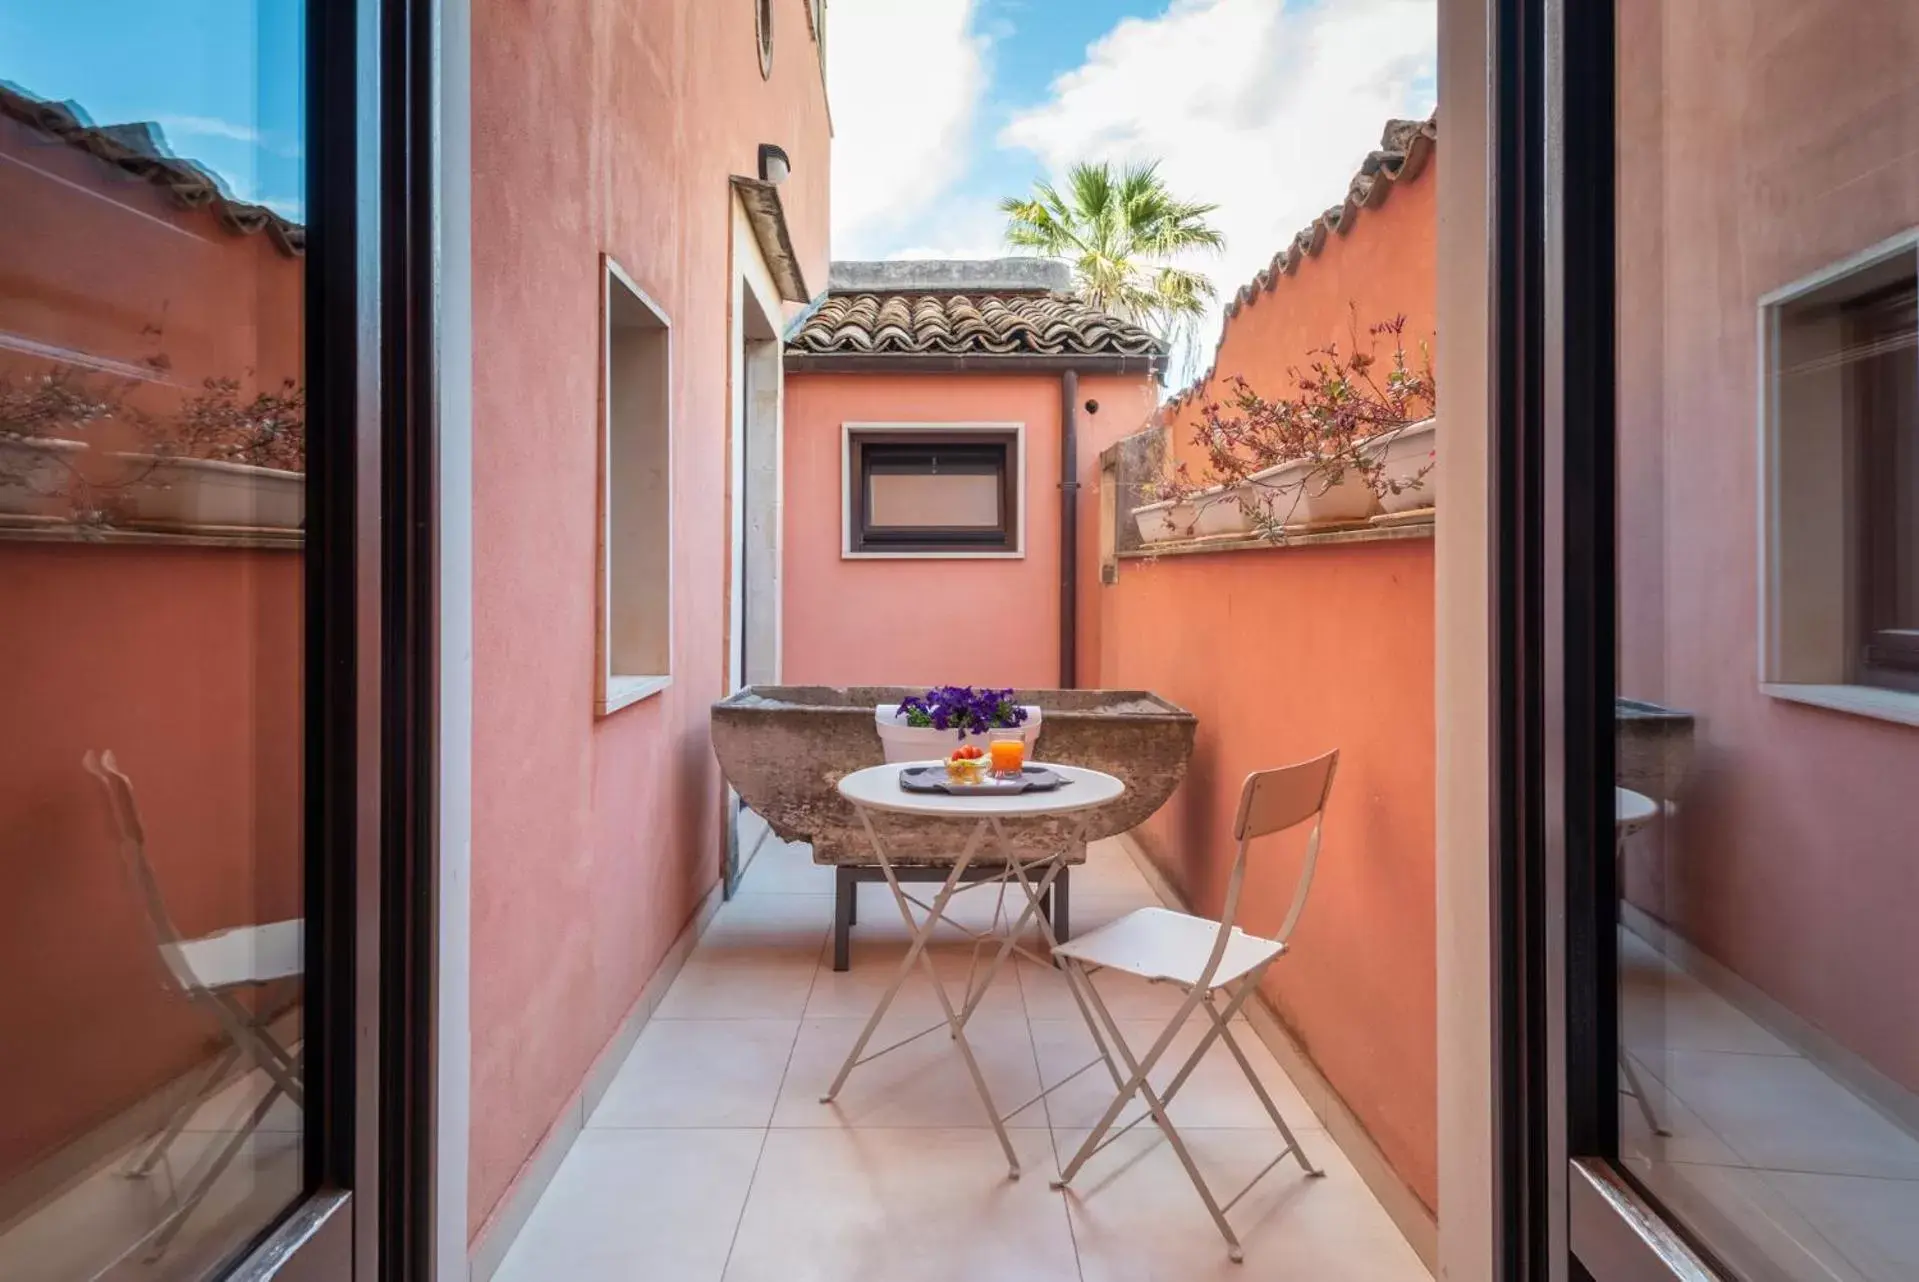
<point x="1204" y="958"/>
<point x="209" y="970"/>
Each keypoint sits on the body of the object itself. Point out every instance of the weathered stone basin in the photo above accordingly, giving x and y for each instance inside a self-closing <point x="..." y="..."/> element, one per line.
<point x="785" y="748"/>
<point x="1655" y="745"/>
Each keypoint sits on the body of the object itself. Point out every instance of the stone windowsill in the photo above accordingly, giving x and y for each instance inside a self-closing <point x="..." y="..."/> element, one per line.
<point x="1410" y="525"/>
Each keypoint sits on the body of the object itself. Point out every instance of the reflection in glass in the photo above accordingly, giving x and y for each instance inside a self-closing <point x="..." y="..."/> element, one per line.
<point x="152" y="460"/>
<point x="1768" y="725"/>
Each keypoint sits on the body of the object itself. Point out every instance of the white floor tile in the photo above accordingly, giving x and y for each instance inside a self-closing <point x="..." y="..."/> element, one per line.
<point x="724" y="982"/>
<point x="1785" y="1114"/>
<point x="700" y="1072"/>
<point x="1216" y="1095"/>
<point x="1874" y="1224"/>
<point x="1137" y="1218"/>
<point x="1746" y="1220"/>
<point x="1690" y="1139"/>
<point x="627" y="1205"/>
<point x="787" y="923"/>
<point x="922" y="1084"/>
<point x="855" y="993"/>
<point x="786" y="868"/>
<point x="885" y="1205"/>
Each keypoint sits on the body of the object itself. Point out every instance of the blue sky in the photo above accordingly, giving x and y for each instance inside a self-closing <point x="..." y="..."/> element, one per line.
<point x="222" y="78"/>
<point x="1264" y="107"/>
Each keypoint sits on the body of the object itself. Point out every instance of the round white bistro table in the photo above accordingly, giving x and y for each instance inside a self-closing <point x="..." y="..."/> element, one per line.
<point x="1631" y="812"/>
<point x="877" y="789"/>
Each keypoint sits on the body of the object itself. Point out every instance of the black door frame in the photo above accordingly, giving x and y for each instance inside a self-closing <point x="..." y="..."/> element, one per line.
<point x="371" y="609"/>
<point x="1567" y="1210"/>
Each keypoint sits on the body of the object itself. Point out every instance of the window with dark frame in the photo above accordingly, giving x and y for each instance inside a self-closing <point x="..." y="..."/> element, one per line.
<point x="933" y="493"/>
<point x="1882" y="338"/>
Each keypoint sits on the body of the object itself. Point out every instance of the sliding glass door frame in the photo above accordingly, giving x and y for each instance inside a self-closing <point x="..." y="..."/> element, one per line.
<point x="1567" y="1210"/>
<point x="370" y="599"/>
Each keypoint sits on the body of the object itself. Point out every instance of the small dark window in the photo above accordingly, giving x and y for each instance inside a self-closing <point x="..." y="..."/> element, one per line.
<point x="1882" y="335"/>
<point x="763" y="28"/>
<point x="911" y="492"/>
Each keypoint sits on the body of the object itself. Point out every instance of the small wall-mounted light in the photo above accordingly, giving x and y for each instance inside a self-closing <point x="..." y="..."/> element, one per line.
<point x="774" y="166"/>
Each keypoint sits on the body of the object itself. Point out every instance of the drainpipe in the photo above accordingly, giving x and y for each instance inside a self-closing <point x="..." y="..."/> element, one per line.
<point x="1068" y="528"/>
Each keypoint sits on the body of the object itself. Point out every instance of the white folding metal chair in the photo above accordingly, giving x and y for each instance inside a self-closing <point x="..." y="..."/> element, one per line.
<point x="208" y="971"/>
<point x="1204" y="958"/>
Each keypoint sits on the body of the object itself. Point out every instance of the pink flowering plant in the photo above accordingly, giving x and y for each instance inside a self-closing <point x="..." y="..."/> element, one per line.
<point x="963" y="710"/>
<point x="1345" y="406"/>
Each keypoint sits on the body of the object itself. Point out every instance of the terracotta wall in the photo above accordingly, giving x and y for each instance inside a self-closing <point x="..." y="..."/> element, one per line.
<point x="1285" y="653"/>
<point x="599" y="126"/>
<point x="935" y="622"/>
<point x="1384" y="267"/>
<point x="1764" y="140"/>
<point x="186" y="663"/>
<point x="1282" y="654"/>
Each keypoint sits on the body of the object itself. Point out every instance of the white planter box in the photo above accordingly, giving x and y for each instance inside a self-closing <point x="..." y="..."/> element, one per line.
<point x="923" y="743"/>
<point x="1295" y="494"/>
<point x="186" y="491"/>
<point x="1208" y="514"/>
<point x="1405" y="453"/>
<point x="36" y="475"/>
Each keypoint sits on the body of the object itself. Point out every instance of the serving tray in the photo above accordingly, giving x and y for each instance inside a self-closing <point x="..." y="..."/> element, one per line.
<point x="935" y="779"/>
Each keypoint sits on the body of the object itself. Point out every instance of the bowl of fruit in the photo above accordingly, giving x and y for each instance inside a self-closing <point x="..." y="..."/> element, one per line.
<point x="968" y="764"/>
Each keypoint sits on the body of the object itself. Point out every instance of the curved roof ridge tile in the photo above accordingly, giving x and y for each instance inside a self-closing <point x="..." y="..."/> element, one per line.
<point x="1405" y="148"/>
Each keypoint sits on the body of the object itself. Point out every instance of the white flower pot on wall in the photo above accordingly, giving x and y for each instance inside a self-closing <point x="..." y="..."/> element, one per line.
<point x="1406" y="452"/>
<point x="1208" y="514"/>
<point x="924" y="743"/>
<point x="1297" y="493"/>
<point x="36" y="475"/>
<point x="189" y="491"/>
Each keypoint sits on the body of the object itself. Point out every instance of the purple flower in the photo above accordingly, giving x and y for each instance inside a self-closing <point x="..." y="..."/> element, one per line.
<point x="963" y="709"/>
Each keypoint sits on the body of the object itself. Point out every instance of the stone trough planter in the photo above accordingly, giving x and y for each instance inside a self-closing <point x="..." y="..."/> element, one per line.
<point x="785" y="748"/>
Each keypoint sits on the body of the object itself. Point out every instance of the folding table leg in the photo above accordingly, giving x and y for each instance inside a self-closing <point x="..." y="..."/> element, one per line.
<point x="177" y="1221"/>
<point x="920" y="935"/>
<point x="164" y="1136"/>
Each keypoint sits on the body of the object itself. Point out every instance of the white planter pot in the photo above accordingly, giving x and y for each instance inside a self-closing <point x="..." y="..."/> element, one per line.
<point x="923" y="743"/>
<point x="187" y="491"/>
<point x="1208" y="514"/>
<point x="1296" y="494"/>
<point x="1405" y="453"/>
<point x="36" y="475"/>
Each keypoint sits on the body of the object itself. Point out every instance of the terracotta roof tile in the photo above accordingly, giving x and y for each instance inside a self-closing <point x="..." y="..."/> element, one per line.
<point x="139" y="150"/>
<point x="1007" y="323"/>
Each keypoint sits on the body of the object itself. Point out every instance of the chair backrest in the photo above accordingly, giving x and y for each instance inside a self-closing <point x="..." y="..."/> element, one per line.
<point x="125" y="813"/>
<point x="1272" y="801"/>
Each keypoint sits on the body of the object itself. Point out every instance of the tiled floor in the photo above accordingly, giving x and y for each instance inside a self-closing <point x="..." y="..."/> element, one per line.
<point x="711" y="1156"/>
<point x="95" y="1228"/>
<point x="1779" y="1165"/>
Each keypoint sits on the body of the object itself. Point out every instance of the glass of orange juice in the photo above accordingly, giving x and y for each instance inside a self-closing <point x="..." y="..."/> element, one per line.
<point x="1007" y="751"/>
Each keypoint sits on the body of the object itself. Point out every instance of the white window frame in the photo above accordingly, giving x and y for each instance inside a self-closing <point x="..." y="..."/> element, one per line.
<point x="619" y="690"/>
<point x="848" y="431"/>
<point x="1805" y="646"/>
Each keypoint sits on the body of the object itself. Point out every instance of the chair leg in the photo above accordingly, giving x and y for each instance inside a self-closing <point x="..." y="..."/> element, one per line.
<point x="1637" y="1089"/>
<point x="1259" y="1089"/>
<point x="164" y="1135"/>
<point x="177" y="1221"/>
<point x="1138" y="1084"/>
<point x="844" y="890"/>
<point x="1061" y="902"/>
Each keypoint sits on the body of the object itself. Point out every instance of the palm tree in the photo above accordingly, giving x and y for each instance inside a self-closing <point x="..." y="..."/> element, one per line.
<point x="1118" y="230"/>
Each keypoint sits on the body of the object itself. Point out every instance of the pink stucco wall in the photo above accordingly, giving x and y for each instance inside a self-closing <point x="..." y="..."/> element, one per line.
<point x="1764" y="140"/>
<point x="599" y="126"/>
<point x="926" y="622"/>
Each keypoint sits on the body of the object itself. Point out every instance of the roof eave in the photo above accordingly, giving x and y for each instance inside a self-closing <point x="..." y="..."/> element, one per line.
<point x="761" y="200"/>
<point x="804" y="362"/>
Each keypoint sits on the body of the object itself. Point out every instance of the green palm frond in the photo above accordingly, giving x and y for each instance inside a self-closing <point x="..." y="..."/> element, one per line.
<point x="1118" y="228"/>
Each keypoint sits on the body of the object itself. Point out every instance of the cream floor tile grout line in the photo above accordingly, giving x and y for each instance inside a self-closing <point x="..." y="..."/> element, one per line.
<point x="766" y="1132"/>
<point x="1415" y="1222"/>
<point x="1052" y="1132"/>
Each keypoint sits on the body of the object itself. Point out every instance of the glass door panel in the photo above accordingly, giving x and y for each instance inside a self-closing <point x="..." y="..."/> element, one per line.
<point x="152" y="583"/>
<point x="1764" y="960"/>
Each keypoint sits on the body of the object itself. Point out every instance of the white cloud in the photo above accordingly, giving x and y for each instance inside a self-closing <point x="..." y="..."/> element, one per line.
<point x="1262" y="107"/>
<point x="905" y="78"/>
